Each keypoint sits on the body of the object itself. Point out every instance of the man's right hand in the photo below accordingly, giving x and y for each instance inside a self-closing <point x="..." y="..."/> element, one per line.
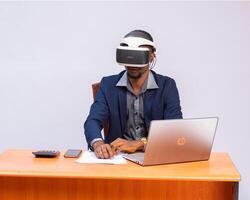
<point x="103" y="150"/>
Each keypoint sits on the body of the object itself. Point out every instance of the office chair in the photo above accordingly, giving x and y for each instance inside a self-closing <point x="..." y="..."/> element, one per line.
<point x="95" y="88"/>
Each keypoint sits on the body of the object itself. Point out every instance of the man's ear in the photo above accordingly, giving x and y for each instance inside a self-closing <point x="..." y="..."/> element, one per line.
<point x="151" y="56"/>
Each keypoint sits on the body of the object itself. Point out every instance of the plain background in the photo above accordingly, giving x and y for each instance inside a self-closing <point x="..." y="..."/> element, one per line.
<point x="51" y="53"/>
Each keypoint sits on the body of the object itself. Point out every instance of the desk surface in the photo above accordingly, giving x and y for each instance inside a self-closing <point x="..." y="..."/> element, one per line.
<point x="22" y="163"/>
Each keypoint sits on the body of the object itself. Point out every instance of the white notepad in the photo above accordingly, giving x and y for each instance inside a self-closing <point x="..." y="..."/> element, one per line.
<point x="89" y="157"/>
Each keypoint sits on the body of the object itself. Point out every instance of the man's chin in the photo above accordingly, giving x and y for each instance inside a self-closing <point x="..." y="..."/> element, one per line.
<point x="134" y="75"/>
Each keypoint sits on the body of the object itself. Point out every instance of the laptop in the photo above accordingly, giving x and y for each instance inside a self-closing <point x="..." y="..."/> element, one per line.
<point x="177" y="141"/>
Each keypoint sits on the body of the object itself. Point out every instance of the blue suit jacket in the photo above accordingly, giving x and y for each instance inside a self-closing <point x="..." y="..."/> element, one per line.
<point x="110" y="103"/>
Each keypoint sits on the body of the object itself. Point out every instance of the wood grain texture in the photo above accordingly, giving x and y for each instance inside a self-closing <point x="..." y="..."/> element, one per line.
<point x="23" y="177"/>
<point x="37" y="188"/>
<point x="23" y="164"/>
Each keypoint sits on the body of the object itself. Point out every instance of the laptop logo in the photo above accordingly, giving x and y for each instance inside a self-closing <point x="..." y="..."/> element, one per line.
<point x="181" y="141"/>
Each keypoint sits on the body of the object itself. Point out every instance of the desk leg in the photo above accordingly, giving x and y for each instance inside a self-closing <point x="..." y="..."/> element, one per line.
<point x="236" y="190"/>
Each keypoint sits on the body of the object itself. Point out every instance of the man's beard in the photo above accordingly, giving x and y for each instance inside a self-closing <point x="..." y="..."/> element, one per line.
<point x="135" y="74"/>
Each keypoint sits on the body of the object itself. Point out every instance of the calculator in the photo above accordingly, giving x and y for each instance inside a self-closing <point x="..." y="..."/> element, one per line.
<point x="46" y="153"/>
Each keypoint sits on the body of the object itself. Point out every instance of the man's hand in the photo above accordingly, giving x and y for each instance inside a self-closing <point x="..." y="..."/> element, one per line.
<point x="103" y="150"/>
<point x="126" y="145"/>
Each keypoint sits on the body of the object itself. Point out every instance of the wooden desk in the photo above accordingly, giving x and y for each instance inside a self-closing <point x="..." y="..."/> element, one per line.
<point x="24" y="177"/>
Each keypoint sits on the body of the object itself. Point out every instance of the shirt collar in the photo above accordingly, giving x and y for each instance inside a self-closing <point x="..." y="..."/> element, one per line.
<point x="151" y="83"/>
<point x="123" y="80"/>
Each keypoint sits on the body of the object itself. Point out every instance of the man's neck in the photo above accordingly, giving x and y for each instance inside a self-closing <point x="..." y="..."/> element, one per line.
<point x="137" y="84"/>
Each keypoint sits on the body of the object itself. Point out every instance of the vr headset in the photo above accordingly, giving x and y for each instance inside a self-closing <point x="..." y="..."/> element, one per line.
<point x="133" y="53"/>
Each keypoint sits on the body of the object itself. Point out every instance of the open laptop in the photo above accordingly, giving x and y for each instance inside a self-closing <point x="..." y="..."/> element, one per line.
<point x="177" y="140"/>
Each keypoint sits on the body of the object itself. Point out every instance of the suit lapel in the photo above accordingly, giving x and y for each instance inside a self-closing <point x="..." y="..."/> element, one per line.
<point x="147" y="104"/>
<point x="122" y="102"/>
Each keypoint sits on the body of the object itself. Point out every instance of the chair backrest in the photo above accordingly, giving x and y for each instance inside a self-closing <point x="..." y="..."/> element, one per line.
<point x="95" y="88"/>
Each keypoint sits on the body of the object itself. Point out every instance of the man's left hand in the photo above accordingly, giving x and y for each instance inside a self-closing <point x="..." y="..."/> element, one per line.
<point x="126" y="145"/>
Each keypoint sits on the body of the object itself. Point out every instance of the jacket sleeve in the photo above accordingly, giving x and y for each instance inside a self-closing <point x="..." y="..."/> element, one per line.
<point x="172" y="108"/>
<point x="98" y="113"/>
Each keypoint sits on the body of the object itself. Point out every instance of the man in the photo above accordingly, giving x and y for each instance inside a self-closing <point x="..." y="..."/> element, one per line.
<point x="131" y="99"/>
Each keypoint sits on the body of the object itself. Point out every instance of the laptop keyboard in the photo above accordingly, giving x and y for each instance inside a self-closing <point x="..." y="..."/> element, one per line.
<point x="135" y="157"/>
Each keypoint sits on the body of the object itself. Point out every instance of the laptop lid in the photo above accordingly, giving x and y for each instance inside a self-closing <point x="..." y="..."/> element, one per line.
<point x="180" y="140"/>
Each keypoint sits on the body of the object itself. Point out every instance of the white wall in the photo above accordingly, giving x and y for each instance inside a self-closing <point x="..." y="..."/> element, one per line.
<point x="50" y="53"/>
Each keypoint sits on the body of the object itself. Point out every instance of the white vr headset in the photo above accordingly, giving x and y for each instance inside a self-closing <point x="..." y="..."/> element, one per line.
<point x="131" y="52"/>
